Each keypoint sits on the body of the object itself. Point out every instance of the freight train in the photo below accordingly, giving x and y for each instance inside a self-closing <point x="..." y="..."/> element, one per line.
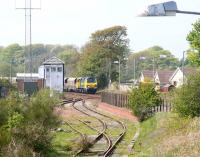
<point x="81" y="84"/>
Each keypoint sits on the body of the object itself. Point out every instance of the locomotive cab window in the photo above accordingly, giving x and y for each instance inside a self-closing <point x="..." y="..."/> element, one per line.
<point x="91" y="80"/>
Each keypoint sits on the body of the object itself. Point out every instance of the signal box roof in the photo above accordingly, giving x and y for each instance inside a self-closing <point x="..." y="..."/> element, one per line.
<point x="53" y="61"/>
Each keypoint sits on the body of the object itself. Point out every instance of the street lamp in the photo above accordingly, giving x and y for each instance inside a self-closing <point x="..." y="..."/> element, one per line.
<point x="165" y="9"/>
<point x="119" y="63"/>
<point x="12" y="61"/>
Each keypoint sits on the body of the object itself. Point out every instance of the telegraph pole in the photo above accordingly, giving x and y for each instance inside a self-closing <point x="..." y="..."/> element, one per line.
<point x="28" y="32"/>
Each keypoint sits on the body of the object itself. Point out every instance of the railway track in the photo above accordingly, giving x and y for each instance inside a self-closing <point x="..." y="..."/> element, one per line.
<point x="109" y="152"/>
<point x="84" y="109"/>
<point x="101" y="132"/>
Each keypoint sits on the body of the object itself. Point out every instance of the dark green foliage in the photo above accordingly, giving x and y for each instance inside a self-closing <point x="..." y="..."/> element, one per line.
<point x="14" y="56"/>
<point x="105" y="47"/>
<point x="70" y="57"/>
<point x="102" y="81"/>
<point x="143" y="99"/>
<point x="25" y="124"/>
<point x="194" y="39"/>
<point x="187" y="98"/>
<point x="194" y="36"/>
<point x="41" y="109"/>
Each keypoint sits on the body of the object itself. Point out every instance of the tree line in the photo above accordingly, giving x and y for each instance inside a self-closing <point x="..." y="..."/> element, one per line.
<point x="99" y="57"/>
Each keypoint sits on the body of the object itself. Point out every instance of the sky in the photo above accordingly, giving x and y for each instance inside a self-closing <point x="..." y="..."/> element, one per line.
<point x="73" y="21"/>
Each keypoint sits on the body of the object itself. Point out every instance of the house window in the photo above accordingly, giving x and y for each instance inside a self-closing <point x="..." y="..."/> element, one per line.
<point x="53" y="69"/>
<point x="175" y="83"/>
<point x="59" y="69"/>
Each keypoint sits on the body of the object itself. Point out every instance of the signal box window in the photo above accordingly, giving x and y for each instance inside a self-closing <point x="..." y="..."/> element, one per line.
<point x="47" y="69"/>
<point x="53" y="69"/>
<point x="59" y="69"/>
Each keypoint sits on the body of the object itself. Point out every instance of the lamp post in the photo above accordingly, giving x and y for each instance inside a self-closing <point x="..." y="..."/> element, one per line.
<point x="118" y="62"/>
<point x="183" y="65"/>
<point x="119" y="68"/>
<point x="11" y="62"/>
<point x="165" y="9"/>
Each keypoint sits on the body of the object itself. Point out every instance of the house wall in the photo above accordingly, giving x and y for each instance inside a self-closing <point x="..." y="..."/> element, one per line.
<point x="40" y="83"/>
<point x="53" y="77"/>
<point x="20" y="84"/>
<point x="156" y="78"/>
<point x="41" y="71"/>
<point x="141" y="79"/>
<point x="177" y="80"/>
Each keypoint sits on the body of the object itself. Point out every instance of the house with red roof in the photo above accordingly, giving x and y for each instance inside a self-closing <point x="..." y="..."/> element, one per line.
<point x="180" y="75"/>
<point x="146" y="76"/>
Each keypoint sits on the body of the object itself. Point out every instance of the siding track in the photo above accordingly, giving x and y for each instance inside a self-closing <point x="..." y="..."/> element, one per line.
<point x="106" y="122"/>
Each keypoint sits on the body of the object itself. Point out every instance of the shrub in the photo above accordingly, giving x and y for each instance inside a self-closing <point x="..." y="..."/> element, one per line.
<point x="27" y="123"/>
<point x="34" y="136"/>
<point x="41" y="109"/>
<point x="187" y="98"/>
<point x="19" y="150"/>
<point x="82" y="144"/>
<point x="143" y="99"/>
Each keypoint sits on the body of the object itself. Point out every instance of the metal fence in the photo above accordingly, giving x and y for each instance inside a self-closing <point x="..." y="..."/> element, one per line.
<point x="122" y="100"/>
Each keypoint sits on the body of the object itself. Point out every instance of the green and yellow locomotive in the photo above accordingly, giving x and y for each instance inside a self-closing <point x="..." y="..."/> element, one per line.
<point x="81" y="84"/>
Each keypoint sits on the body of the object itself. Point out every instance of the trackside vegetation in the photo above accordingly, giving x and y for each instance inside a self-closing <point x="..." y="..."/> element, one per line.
<point x="187" y="98"/>
<point x="142" y="99"/>
<point x="168" y="135"/>
<point x="25" y="124"/>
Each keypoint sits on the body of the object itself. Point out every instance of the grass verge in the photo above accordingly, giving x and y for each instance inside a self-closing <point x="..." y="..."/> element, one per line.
<point x="168" y="135"/>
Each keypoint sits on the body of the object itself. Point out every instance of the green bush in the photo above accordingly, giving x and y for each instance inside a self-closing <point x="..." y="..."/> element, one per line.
<point x="143" y="99"/>
<point x="41" y="109"/>
<point x="25" y="125"/>
<point x="187" y="98"/>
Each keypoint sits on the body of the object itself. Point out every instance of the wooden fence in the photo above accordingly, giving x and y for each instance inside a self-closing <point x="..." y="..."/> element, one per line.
<point x="122" y="100"/>
<point x="115" y="99"/>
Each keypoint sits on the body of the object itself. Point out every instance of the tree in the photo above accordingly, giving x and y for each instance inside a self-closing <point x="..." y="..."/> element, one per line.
<point x="105" y="47"/>
<point x="143" y="99"/>
<point x="186" y="99"/>
<point x="194" y="39"/>
<point x="144" y="60"/>
<point x="11" y="56"/>
<point x="71" y="58"/>
<point x="193" y="58"/>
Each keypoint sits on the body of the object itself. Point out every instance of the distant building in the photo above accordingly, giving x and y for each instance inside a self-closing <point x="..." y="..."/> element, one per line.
<point x="29" y="82"/>
<point x="179" y="76"/>
<point x="162" y="77"/>
<point x="146" y="76"/>
<point x="52" y="71"/>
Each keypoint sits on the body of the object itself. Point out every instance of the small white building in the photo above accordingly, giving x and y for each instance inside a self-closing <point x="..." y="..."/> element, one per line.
<point x="52" y="71"/>
<point x="179" y="76"/>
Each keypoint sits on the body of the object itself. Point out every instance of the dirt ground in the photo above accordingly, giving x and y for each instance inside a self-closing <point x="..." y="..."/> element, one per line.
<point x="120" y="112"/>
<point x="117" y="111"/>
